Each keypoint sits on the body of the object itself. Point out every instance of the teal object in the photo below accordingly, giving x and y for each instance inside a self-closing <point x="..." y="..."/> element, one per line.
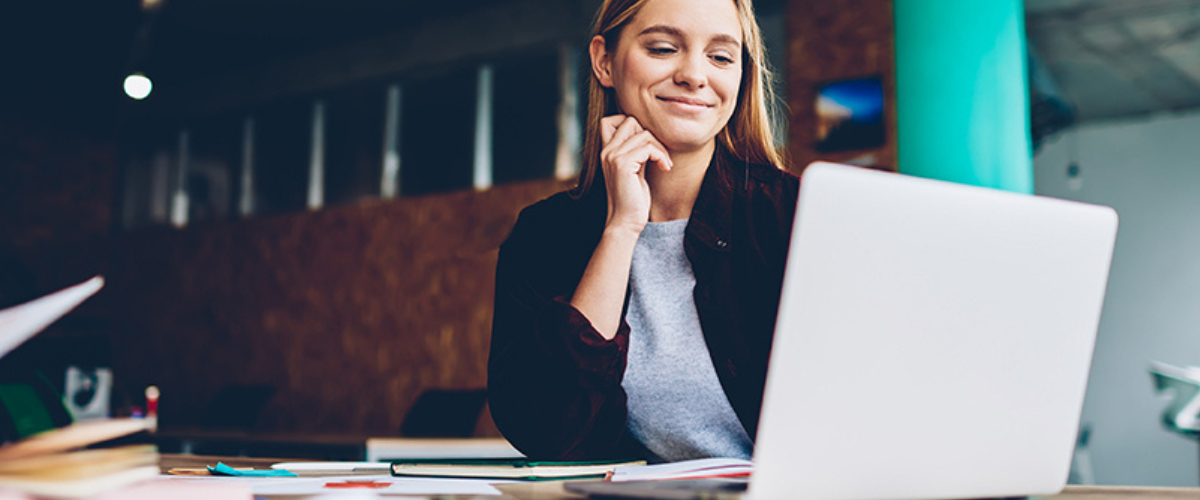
<point x="29" y="415"/>
<point x="961" y="94"/>
<point x="29" y="404"/>
<point x="224" y="470"/>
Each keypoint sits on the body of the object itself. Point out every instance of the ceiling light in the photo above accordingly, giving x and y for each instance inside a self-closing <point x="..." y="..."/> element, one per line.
<point x="137" y="86"/>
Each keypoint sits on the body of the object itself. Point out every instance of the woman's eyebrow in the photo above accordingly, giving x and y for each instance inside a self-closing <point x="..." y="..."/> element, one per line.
<point x="677" y="33"/>
<point x="663" y="29"/>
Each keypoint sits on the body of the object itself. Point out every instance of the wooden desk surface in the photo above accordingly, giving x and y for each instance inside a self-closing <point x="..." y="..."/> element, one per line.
<point x="553" y="490"/>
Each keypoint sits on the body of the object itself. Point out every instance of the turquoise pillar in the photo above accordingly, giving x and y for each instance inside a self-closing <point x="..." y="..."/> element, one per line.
<point x="961" y="94"/>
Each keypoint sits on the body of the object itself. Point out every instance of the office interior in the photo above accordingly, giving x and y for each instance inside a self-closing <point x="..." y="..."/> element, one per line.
<point x="299" y="224"/>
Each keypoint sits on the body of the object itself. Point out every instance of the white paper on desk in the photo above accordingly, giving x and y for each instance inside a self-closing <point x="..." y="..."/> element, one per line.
<point x="18" y="323"/>
<point x="703" y="468"/>
<point x="388" y="449"/>
<point x="396" y="486"/>
<point x="334" y="468"/>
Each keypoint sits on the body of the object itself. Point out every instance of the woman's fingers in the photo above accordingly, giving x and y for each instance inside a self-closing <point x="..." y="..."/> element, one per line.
<point x="626" y="130"/>
<point x="621" y="133"/>
<point x="608" y="127"/>
<point x="637" y="150"/>
<point x="664" y="162"/>
<point x="650" y="153"/>
<point x="660" y="157"/>
<point x="628" y="148"/>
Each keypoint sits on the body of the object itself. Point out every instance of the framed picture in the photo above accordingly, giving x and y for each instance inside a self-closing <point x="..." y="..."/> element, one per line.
<point x="850" y="115"/>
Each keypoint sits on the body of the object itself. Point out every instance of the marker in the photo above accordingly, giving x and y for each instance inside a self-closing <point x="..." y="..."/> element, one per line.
<point x="152" y="408"/>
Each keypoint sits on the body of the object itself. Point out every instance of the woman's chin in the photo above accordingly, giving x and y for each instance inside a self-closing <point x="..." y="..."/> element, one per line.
<point x="686" y="144"/>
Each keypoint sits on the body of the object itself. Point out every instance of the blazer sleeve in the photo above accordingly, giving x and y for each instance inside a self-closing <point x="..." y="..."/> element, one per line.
<point x="554" y="383"/>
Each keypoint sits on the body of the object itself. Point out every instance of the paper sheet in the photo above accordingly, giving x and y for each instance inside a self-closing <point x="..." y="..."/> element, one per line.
<point x="356" y="486"/>
<point x="18" y="323"/>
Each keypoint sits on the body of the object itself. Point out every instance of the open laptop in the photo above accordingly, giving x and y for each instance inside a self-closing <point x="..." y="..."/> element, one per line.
<point x="933" y="341"/>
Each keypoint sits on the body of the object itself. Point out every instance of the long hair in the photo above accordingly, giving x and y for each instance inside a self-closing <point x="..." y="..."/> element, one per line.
<point x="749" y="135"/>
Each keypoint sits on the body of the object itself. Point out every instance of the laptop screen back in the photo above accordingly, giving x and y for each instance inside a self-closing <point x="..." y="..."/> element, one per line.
<point x="933" y="340"/>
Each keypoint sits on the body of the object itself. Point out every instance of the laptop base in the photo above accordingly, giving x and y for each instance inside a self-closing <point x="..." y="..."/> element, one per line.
<point x="692" y="489"/>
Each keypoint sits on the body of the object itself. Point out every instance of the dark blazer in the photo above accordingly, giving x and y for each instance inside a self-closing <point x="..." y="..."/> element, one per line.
<point x="554" y="384"/>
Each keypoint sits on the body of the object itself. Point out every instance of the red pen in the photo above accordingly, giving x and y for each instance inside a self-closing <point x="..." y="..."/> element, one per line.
<point x="152" y="408"/>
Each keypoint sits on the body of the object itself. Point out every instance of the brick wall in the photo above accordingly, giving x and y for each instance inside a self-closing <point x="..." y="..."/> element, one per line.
<point x="349" y="312"/>
<point x="831" y="40"/>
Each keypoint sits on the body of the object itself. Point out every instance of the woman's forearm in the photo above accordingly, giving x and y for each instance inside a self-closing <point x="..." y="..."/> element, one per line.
<point x="600" y="295"/>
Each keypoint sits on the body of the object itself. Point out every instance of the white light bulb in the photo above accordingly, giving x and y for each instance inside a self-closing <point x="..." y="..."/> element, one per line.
<point x="137" y="86"/>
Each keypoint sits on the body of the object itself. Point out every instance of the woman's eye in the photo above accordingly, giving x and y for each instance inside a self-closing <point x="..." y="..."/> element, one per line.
<point x="723" y="59"/>
<point x="660" y="51"/>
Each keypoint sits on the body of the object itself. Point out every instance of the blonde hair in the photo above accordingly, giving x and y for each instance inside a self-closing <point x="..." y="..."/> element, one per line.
<point x="749" y="135"/>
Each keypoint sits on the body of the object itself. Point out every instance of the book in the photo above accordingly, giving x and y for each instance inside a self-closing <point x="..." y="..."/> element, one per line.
<point x="55" y="464"/>
<point x="518" y="470"/>
<point x="706" y="468"/>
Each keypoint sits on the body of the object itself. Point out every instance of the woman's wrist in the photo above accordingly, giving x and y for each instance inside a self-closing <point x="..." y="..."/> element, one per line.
<point x="623" y="230"/>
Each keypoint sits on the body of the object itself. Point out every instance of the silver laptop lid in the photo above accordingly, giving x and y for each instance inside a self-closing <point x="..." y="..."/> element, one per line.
<point x="933" y="340"/>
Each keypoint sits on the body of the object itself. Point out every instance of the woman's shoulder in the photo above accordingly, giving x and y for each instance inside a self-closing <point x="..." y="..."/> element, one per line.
<point x="767" y="185"/>
<point x="772" y="178"/>
<point x="557" y="216"/>
<point x="564" y="206"/>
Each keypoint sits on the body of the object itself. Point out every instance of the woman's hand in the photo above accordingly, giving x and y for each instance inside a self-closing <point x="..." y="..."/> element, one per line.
<point x="627" y="150"/>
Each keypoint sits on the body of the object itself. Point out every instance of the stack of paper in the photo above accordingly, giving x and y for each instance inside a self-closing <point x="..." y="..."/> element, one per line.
<point x="1183" y="387"/>
<point x="707" y="468"/>
<point x="521" y="470"/>
<point x="53" y="463"/>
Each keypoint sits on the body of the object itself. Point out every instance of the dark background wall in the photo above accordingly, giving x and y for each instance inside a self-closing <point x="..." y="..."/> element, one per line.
<point x="350" y="311"/>
<point x="833" y="40"/>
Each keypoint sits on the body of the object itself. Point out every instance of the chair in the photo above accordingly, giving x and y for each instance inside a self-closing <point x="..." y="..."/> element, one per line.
<point x="444" y="413"/>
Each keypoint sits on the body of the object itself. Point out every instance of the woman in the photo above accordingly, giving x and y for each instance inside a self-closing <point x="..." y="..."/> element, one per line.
<point x="634" y="314"/>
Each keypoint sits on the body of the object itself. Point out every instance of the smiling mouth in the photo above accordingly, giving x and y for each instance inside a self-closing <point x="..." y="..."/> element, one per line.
<point x="694" y="103"/>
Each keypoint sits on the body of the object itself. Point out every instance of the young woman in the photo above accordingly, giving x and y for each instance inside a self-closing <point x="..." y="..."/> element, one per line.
<point x="634" y="314"/>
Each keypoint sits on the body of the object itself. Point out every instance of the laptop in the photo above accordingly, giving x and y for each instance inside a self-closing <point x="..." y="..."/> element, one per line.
<point x="933" y="341"/>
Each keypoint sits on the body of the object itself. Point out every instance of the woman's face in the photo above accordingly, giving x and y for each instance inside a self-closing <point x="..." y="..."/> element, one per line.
<point x="677" y="68"/>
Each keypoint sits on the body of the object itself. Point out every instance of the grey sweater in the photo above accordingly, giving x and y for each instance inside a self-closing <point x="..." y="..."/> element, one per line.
<point x="677" y="408"/>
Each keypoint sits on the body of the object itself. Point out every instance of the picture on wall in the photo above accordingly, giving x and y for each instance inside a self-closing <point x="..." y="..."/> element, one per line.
<point x="850" y="115"/>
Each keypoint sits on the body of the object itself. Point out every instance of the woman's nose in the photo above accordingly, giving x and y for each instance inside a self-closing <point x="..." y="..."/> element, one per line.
<point x="690" y="71"/>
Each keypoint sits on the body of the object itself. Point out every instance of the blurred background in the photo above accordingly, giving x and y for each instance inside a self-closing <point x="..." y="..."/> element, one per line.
<point x="299" y="222"/>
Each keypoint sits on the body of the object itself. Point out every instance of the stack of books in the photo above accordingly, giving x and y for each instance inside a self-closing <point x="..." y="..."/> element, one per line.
<point x="66" y="462"/>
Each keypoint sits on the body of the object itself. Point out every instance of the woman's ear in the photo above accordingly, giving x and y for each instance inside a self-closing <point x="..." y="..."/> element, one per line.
<point x="601" y="61"/>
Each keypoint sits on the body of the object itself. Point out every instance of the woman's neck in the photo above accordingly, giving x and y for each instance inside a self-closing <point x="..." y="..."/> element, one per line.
<point x="673" y="193"/>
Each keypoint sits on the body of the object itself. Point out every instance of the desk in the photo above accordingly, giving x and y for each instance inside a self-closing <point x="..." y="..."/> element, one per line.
<point x="553" y="490"/>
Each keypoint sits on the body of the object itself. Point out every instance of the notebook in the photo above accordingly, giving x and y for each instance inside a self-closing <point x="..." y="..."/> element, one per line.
<point x="933" y="341"/>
